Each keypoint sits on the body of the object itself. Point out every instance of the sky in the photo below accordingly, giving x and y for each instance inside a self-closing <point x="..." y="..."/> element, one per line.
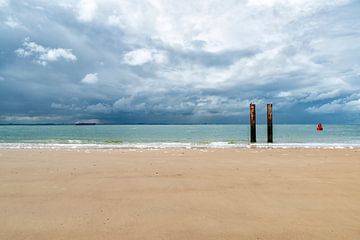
<point x="168" y="61"/>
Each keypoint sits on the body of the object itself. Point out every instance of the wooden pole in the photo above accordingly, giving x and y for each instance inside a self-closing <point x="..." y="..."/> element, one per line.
<point x="269" y="123"/>
<point x="252" y="123"/>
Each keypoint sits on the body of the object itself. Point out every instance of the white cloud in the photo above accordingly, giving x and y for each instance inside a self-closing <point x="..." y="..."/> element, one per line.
<point x="303" y="4"/>
<point x="60" y="106"/>
<point x="218" y="105"/>
<point x="284" y="94"/>
<point x="114" y="20"/>
<point x="87" y="10"/>
<point x="42" y="55"/>
<point x="52" y="55"/>
<point x="29" y="119"/>
<point x="349" y="104"/>
<point x="128" y="104"/>
<point x="143" y="55"/>
<point x="138" y="57"/>
<point x="220" y="25"/>
<point x="90" y="78"/>
<point x="160" y="57"/>
<point x="12" y="22"/>
<point x="95" y="108"/>
<point x="99" y="108"/>
<point x="201" y="106"/>
<point x="65" y="5"/>
<point x="3" y="3"/>
<point x="2" y="78"/>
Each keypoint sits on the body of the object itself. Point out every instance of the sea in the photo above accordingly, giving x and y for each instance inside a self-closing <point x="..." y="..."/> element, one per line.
<point x="176" y="136"/>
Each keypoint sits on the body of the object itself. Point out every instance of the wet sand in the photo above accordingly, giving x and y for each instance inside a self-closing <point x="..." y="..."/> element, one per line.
<point x="180" y="194"/>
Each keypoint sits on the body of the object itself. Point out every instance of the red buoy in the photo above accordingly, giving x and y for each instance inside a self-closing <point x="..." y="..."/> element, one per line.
<point x="319" y="127"/>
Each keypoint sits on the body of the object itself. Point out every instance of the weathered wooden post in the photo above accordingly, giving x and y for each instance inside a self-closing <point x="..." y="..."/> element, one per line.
<point x="252" y="123"/>
<point x="269" y="123"/>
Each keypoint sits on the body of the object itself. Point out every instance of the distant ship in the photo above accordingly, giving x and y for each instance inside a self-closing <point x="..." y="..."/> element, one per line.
<point x="85" y="123"/>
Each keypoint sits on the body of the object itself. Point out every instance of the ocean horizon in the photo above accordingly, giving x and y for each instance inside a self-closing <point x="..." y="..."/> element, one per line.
<point x="177" y="136"/>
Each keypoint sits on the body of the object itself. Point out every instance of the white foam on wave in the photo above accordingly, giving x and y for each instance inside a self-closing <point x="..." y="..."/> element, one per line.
<point x="170" y="145"/>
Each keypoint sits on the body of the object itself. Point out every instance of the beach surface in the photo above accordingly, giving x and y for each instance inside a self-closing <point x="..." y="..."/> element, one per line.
<point x="180" y="194"/>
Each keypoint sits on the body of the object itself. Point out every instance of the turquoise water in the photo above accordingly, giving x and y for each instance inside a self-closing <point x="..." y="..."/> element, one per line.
<point x="171" y="134"/>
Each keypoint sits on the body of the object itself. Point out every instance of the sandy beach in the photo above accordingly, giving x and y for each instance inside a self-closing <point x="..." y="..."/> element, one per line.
<point x="180" y="194"/>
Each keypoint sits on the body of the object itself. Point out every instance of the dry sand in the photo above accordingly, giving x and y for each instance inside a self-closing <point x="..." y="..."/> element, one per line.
<point x="180" y="194"/>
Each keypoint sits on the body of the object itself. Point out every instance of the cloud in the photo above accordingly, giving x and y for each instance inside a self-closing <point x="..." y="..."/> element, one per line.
<point x="94" y="108"/>
<point x="293" y="3"/>
<point x="99" y="108"/>
<point x="29" y="119"/>
<point x="59" y="106"/>
<point x="201" y="106"/>
<point x="128" y="104"/>
<point x="90" y="78"/>
<point x="284" y="94"/>
<point x="348" y="104"/>
<point x="42" y="55"/>
<point x="12" y="22"/>
<point x="142" y="56"/>
<point x="87" y="10"/>
<point x="217" y="25"/>
<point x="55" y="54"/>
<point x="3" y="3"/>
<point x="114" y="20"/>
<point x="181" y="60"/>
